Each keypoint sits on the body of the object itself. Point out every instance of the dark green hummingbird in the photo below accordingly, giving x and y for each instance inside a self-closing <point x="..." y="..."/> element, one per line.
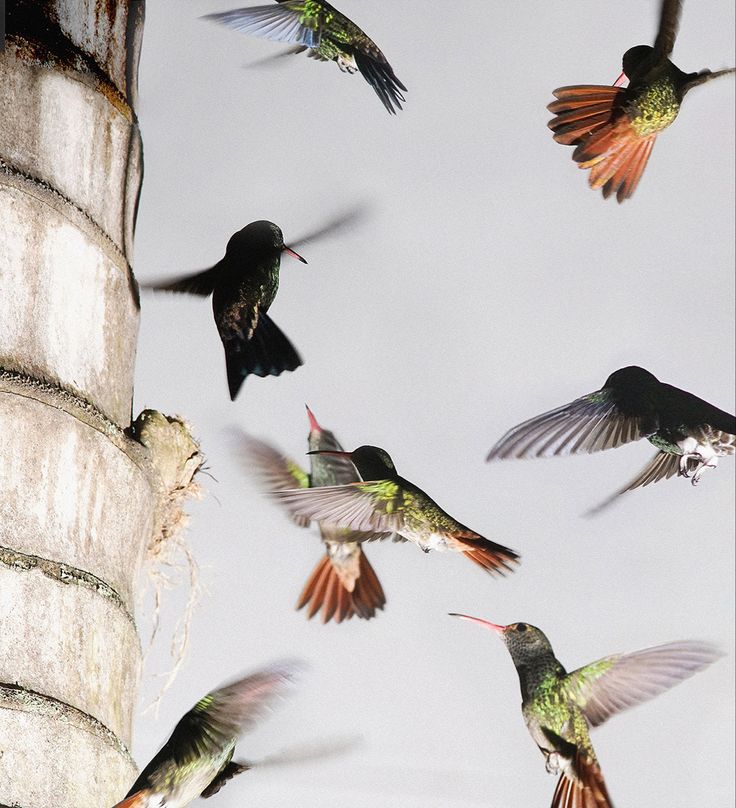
<point x="343" y="584"/>
<point x="559" y="708"/>
<point x="197" y="760"/>
<point x="326" y="34"/>
<point x="690" y="434"/>
<point x="614" y="129"/>
<point x="386" y="505"/>
<point x="243" y="285"/>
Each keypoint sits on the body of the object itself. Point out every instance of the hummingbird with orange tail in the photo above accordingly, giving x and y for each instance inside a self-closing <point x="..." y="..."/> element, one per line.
<point x="613" y="129"/>
<point x="320" y="29"/>
<point x="385" y="504"/>
<point x="343" y="584"/>
<point x="197" y="760"/>
<point x="559" y="708"/>
<point x="690" y="434"/>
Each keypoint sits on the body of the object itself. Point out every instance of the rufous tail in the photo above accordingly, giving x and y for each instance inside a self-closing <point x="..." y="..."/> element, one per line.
<point x="492" y="557"/>
<point x="583" y="788"/>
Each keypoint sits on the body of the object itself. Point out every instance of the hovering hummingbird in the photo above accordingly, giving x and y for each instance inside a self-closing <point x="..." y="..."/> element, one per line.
<point x="343" y="583"/>
<point x="325" y="34"/>
<point x="384" y="504"/>
<point x="197" y="760"/>
<point x="689" y="433"/>
<point x="559" y="707"/>
<point x="614" y="129"/>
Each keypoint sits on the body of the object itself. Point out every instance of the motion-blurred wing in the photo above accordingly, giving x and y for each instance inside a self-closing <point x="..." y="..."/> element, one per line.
<point x="588" y="424"/>
<point x="661" y="467"/>
<point x="669" y="22"/>
<point x="217" y="720"/>
<point x="621" y="681"/>
<point x="373" y="507"/>
<point x="284" y="22"/>
<point x="275" y="470"/>
<point x="201" y="283"/>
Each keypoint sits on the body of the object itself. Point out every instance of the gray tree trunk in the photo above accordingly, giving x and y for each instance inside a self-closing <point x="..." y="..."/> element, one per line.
<point x="81" y="501"/>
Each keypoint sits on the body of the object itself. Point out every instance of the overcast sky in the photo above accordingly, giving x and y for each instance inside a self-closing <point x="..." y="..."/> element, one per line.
<point x="486" y="284"/>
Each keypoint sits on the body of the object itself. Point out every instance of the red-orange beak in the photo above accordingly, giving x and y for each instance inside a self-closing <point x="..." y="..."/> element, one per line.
<point x="294" y="254"/>
<point x="621" y="80"/>
<point x="485" y="623"/>
<point x="313" y="423"/>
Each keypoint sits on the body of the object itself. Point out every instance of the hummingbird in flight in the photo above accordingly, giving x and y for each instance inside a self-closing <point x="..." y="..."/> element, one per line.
<point x="613" y="128"/>
<point x="559" y="708"/>
<point x="690" y="434"/>
<point x="326" y="34"/>
<point x="343" y="584"/>
<point x="243" y="285"/>
<point x="386" y="505"/>
<point x="197" y="760"/>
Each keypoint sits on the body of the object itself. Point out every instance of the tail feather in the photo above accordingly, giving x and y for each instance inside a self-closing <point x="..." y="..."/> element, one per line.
<point x="232" y="769"/>
<point x="582" y="110"/>
<point x="137" y="800"/>
<point x="326" y="591"/>
<point x="494" y="558"/>
<point x="582" y="787"/>
<point x="267" y="353"/>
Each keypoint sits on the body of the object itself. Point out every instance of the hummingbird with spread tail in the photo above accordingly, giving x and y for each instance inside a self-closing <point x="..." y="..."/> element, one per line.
<point x="559" y="708"/>
<point x="326" y="34"/>
<point x="690" y="434"/>
<point x="613" y="128"/>
<point x="343" y="584"/>
<point x="197" y="760"/>
<point x="385" y="505"/>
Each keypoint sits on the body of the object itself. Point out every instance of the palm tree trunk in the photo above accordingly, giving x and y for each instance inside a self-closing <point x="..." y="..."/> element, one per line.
<point x="81" y="500"/>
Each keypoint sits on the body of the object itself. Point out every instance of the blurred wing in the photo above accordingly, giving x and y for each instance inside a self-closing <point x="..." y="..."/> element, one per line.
<point x="274" y="470"/>
<point x="202" y="283"/>
<point x="661" y="467"/>
<point x="364" y="506"/>
<point x="588" y="424"/>
<point x="281" y="23"/>
<point x="217" y="720"/>
<point x="669" y="22"/>
<point x="621" y="681"/>
<point x="337" y="224"/>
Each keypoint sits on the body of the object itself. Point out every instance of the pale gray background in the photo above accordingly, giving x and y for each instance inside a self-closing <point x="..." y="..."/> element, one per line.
<point x="488" y="285"/>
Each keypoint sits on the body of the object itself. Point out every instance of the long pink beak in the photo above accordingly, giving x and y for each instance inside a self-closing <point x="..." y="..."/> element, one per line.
<point x="485" y="623"/>
<point x="313" y="424"/>
<point x="621" y="80"/>
<point x="294" y="254"/>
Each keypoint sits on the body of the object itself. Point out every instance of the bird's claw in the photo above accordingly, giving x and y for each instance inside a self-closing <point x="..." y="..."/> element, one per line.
<point x="346" y="63"/>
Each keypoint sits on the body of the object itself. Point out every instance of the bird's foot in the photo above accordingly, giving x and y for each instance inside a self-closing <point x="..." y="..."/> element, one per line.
<point x="691" y="459"/>
<point x="701" y="469"/>
<point x="346" y="63"/>
<point x="553" y="764"/>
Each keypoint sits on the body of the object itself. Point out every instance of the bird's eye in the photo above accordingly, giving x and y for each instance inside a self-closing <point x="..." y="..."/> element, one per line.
<point x="521" y="627"/>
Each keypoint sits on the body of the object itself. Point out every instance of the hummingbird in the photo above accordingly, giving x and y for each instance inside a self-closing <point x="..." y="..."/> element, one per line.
<point x="614" y="128"/>
<point x="559" y="708"/>
<point x="690" y="434"/>
<point x="197" y="760"/>
<point x="326" y="34"/>
<point x="384" y="504"/>
<point x="343" y="584"/>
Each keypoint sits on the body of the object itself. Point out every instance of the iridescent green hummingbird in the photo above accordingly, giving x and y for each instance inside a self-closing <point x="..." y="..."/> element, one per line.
<point x="689" y="433"/>
<point x="614" y="129"/>
<point x="326" y="34"/>
<point x="559" y="708"/>
<point x="343" y="584"/>
<point x="197" y="760"/>
<point x="243" y="285"/>
<point x="385" y="504"/>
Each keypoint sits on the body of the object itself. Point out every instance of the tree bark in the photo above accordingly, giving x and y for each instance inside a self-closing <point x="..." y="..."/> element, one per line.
<point x="83" y="497"/>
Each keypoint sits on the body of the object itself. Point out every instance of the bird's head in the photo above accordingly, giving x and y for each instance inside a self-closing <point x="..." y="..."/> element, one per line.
<point x="635" y="61"/>
<point x="260" y="237"/>
<point x="524" y="642"/>
<point x="321" y="440"/>
<point x="371" y="462"/>
<point x="631" y="378"/>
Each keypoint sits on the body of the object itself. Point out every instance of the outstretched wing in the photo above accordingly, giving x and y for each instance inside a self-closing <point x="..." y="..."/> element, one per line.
<point x="588" y="424"/>
<point x="374" y="507"/>
<point x="285" y="22"/>
<point x="661" y="467"/>
<point x="201" y="283"/>
<point x="621" y="681"/>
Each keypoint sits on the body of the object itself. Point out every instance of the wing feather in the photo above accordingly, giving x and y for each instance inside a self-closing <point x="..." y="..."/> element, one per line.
<point x="621" y="681"/>
<point x="279" y="23"/>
